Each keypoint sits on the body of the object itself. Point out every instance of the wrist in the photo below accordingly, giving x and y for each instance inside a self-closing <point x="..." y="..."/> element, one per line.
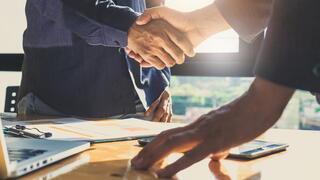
<point x="253" y="113"/>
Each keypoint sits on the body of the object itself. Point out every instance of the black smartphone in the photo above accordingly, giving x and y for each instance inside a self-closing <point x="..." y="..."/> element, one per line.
<point x="256" y="148"/>
<point x="145" y="141"/>
<point x="250" y="150"/>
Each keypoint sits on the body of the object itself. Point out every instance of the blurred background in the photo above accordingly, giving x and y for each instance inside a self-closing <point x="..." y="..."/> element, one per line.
<point x="192" y="95"/>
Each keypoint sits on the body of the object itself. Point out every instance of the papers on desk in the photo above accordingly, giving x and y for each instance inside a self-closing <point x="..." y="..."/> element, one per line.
<point x="71" y="129"/>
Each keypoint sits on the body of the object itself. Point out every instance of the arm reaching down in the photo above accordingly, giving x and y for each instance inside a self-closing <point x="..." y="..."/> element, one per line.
<point x="247" y="17"/>
<point x="219" y="130"/>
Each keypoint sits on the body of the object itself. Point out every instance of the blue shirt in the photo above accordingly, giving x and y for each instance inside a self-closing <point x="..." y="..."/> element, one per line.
<point x="74" y="59"/>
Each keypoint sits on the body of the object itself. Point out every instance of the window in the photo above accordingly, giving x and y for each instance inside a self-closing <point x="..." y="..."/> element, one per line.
<point x="222" y="54"/>
<point x="230" y="61"/>
<point x="13" y="23"/>
<point x="193" y="96"/>
<point x="224" y="42"/>
<point x="219" y="73"/>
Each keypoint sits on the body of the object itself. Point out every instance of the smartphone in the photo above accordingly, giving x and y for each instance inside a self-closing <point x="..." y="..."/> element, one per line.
<point x="250" y="150"/>
<point x="145" y="141"/>
<point x="256" y="148"/>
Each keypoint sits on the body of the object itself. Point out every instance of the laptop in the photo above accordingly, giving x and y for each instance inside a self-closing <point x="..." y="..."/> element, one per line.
<point x="19" y="156"/>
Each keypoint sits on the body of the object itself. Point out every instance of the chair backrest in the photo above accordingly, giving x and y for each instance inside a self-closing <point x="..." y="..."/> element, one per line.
<point x="11" y="99"/>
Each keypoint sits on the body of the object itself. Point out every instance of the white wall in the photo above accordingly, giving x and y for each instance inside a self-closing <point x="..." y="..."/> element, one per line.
<point x="7" y="79"/>
<point x="12" y="25"/>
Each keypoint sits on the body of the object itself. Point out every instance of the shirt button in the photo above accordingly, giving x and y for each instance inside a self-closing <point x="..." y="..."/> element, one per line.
<point x="316" y="70"/>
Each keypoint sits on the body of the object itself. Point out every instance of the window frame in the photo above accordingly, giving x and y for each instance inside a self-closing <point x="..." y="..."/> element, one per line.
<point x="11" y="62"/>
<point x="239" y="64"/>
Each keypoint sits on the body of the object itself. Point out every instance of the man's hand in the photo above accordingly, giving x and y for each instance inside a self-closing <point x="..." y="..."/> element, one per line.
<point x="161" y="108"/>
<point x="214" y="133"/>
<point x="184" y="22"/>
<point x="159" y="44"/>
<point x="197" y="26"/>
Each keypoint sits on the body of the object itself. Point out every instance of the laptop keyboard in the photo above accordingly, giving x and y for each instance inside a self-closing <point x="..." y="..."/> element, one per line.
<point x="23" y="154"/>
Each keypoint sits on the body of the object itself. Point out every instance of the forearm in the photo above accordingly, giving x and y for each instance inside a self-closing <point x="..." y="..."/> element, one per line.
<point x="247" y="17"/>
<point x="254" y="112"/>
<point x="208" y="21"/>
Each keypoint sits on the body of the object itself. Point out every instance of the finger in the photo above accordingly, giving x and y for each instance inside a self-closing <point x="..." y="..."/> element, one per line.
<point x="181" y="41"/>
<point x="145" y="64"/>
<point x="144" y="19"/>
<point x="139" y="58"/>
<point x="169" y="117"/>
<point x="175" y="142"/>
<point x="152" y="108"/>
<point x="135" y="56"/>
<point x="166" y="114"/>
<point x="175" y="52"/>
<point x="127" y="50"/>
<point x="169" y="120"/>
<point x="164" y="117"/>
<point x="166" y="58"/>
<point x="158" y="114"/>
<point x="219" y="156"/>
<point x="157" y="63"/>
<point x="139" y="161"/>
<point x="172" y="49"/>
<point x="170" y="110"/>
<point x="195" y="155"/>
<point x="153" y="60"/>
<point x="161" y="110"/>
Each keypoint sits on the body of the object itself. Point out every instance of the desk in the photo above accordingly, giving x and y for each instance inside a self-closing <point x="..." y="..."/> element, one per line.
<point x="109" y="161"/>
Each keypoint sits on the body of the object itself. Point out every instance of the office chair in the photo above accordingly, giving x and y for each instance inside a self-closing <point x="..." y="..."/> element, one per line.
<point x="11" y="99"/>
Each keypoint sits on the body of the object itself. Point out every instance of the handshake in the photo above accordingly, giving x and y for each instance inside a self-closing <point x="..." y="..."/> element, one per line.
<point x="161" y="37"/>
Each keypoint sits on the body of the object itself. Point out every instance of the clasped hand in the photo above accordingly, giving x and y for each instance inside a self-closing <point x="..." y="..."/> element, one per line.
<point x="153" y="41"/>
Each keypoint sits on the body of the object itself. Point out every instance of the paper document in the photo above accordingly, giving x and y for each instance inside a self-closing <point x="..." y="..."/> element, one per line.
<point x="101" y="130"/>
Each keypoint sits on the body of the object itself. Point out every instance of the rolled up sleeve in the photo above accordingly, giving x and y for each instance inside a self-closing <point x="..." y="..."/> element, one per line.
<point x="290" y="53"/>
<point x="247" y="17"/>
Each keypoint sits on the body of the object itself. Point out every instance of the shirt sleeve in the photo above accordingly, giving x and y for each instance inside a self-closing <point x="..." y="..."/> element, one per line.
<point x="99" y="22"/>
<point x="290" y="53"/>
<point x="247" y="17"/>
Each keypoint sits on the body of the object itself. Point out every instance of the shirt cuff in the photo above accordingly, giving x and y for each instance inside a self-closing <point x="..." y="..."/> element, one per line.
<point x="125" y="18"/>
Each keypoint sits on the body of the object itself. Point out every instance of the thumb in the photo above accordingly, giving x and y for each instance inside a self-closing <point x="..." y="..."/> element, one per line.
<point x="145" y="64"/>
<point x="151" y="14"/>
<point x="152" y="108"/>
<point x="144" y="19"/>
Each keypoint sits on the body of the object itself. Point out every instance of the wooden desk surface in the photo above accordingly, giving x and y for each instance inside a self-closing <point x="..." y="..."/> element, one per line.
<point x="110" y="161"/>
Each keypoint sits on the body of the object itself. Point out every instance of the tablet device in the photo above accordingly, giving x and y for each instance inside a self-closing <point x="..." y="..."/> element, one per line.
<point x="250" y="150"/>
